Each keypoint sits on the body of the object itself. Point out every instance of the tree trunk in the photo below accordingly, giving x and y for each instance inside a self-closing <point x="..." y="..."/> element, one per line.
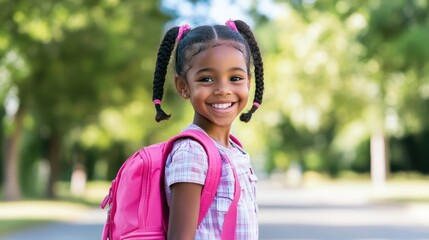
<point x="11" y="173"/>
<point x="54" y="150"/>
<point x="379" y="159"/>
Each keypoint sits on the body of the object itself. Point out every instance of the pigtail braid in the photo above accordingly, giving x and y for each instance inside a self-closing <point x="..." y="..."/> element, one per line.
<point x="247" y="33"/>
<point x="163" y="58"/>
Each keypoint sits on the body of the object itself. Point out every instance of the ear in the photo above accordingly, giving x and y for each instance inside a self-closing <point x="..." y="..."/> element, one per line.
<point x="181" y="86"/>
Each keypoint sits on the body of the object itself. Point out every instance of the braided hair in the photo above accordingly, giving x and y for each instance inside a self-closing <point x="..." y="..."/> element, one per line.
<point x="191" y="42"/>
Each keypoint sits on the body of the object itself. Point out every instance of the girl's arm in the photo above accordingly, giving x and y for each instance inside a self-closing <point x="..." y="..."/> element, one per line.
<point x="184" y="210"/>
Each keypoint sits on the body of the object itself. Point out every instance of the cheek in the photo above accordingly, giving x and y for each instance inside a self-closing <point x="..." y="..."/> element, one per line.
<point x="245" y="93"/>
<point x="198" y="93"/>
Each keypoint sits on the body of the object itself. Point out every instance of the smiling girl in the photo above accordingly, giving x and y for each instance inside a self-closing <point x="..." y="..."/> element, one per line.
<point x="212" y="71"/>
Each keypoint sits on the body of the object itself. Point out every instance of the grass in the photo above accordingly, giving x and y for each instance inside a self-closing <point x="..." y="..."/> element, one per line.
<point x="18" y="215"/>
<point x="93" y="195"/>
<point x="13" y="225"/>
<point x="399" y="188"/>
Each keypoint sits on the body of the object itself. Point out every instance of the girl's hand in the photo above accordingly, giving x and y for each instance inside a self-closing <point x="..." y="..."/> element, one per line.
<point x="184" y="210"/>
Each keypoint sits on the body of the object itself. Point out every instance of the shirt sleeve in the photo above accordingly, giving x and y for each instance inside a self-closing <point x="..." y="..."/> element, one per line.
<point x="186" y="163"/>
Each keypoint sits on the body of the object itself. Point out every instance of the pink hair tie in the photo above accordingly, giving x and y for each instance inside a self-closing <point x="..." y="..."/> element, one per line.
<point x="231" y="24"/>
<point x="256" y="104"/>
<point x="157" y="102"/>
<point x="182" y="30"/>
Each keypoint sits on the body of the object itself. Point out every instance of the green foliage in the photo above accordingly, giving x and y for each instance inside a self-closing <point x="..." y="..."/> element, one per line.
<point x="341" y="70"/>
<point x="79" y="65"/>
<point x="336" y="71"/>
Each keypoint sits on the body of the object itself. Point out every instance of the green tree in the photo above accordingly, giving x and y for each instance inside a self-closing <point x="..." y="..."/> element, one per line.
<point x="81" y="57"/>
<point x="315" y="87"/>
<point x="366" y="60"/>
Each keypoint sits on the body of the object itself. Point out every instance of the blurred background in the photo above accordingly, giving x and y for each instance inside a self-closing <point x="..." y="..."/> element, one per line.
<point x="343" y="129"/>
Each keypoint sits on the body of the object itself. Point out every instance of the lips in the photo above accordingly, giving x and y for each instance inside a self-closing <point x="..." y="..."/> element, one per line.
<point x="221" y="105"/>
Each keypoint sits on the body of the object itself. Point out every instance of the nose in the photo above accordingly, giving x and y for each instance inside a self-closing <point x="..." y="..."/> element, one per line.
<point x="223" y="87"/>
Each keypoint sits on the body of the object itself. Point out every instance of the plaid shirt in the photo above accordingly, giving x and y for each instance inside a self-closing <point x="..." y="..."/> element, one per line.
<point x="188" y="163"/>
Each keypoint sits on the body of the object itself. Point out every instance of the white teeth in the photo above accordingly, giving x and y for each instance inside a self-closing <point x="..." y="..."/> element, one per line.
<point x="222" y="106"/>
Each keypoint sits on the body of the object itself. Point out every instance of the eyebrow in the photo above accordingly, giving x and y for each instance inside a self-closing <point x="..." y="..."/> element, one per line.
<point x="213" y="70"/>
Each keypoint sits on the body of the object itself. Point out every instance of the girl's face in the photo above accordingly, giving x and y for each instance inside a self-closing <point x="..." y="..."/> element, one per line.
<point x="217" y="84"/>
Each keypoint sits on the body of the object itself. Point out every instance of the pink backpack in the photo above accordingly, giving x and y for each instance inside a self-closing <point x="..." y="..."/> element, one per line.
<point x="137" y="203"/>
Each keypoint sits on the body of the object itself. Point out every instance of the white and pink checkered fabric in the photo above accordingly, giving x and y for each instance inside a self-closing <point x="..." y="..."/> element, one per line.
<point x="188" y="163"/>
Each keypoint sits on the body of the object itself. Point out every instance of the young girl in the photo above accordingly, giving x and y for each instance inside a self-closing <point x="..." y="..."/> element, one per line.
<point x="212" y="67"/>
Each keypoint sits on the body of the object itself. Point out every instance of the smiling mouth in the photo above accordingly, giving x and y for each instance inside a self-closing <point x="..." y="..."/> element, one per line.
<point x="221" y="105"/>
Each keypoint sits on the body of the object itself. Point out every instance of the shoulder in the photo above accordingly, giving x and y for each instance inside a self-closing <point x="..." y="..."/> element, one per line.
<point x="187" y="146"/>
<point x="188" y="154"/>
<point x="187" y="162"/>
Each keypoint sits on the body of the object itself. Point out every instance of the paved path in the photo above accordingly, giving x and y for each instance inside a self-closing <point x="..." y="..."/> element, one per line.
<point x="312" y="214"/>
<point x="340" y="212"/>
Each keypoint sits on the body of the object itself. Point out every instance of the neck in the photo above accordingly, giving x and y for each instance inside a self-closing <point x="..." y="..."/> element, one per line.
<point x="221" y="138"/>
<point x="218" y="134"/>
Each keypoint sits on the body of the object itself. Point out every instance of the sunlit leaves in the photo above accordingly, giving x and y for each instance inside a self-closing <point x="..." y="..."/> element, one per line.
<point x="75" y="68"/>
<point x="355" y="67"/>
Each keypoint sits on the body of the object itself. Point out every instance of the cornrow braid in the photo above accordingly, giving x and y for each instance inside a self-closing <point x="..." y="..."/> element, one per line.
<point x="163" y="58"/>
<point x="247" y="33"/>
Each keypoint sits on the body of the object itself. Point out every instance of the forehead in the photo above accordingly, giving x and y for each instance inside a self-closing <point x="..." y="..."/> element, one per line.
<point x="203" y="50"/>
<point x="219" y="57"/>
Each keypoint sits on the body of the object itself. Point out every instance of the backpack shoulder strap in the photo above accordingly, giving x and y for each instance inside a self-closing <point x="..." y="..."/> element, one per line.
<point x="235" y="140"/>
<point x="230" y="221"/>
<point x="211" y="183"/>
<point x="214" y="167"/>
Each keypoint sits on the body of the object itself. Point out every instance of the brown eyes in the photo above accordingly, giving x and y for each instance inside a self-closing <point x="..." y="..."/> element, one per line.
<point x="205" y="79"/>
<point x="234" y="79"/>
<point x="210" y="79"/>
